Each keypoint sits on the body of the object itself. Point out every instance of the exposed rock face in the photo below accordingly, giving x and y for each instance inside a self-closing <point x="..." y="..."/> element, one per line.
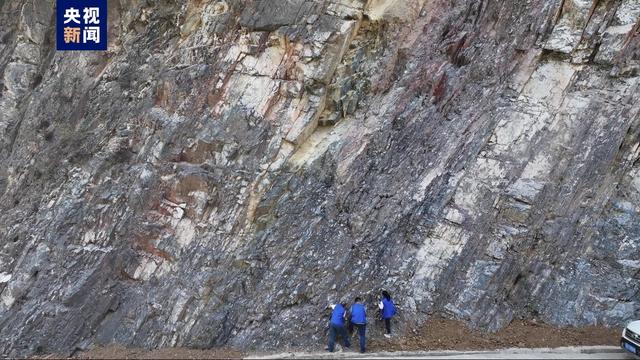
<point x="227" y="168"/>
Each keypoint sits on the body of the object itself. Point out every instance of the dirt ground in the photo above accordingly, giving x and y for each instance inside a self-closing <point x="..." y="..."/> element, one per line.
<point x="443" y="334"/>
<point x="437" y="334"/>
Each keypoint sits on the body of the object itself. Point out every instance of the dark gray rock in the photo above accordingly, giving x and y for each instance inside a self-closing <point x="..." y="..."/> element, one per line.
<point x="265" y="15"/>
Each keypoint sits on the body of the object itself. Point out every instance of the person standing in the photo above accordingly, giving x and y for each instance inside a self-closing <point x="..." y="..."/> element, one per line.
<point x="359" y="320"/>
<point x="387" y="311"/>
<point x="336" y="326"/>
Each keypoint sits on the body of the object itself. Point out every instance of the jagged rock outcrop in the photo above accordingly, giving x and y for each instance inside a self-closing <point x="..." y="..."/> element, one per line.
<point x="227" y="168"/>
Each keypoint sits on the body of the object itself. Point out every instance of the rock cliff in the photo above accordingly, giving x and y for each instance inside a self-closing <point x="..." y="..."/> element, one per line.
<point x="227" y="168"/>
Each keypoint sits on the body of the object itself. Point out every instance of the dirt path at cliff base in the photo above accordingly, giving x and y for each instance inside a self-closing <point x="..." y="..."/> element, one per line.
<point x="443" y="334"/>
<point x="437" y="334"/>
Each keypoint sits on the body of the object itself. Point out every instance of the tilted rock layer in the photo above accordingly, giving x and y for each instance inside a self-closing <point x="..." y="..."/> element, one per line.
<point x="227" y="168"/>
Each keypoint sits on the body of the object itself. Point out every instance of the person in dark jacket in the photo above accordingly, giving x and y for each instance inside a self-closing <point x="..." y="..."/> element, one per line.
<point x="336" y="326"/>
<point x="387" y="311"/>
<point x="359" y="321"/>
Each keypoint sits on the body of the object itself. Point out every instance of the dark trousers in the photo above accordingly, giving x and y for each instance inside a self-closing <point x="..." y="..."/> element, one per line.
<point x="334" y="330"/>
<point x="387" y="324"/>
<point x="361" y="334"/>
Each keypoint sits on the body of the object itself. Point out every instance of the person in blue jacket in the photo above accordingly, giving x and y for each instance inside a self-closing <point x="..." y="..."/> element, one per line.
<point x="359" y="320"/>
<point x="336" y="326"/>
<point x="387" y="311"/>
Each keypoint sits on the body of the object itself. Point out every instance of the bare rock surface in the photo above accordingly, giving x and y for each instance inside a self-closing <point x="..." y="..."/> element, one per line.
<point x="227" y="168"/>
